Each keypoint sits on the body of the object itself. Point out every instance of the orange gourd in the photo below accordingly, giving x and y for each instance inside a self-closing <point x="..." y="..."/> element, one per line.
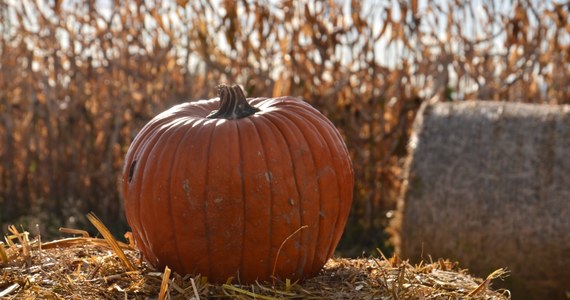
<point x="221" y="187"/>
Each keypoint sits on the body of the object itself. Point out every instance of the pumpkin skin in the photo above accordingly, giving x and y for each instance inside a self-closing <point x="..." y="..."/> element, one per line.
<point x="219" y="196"/>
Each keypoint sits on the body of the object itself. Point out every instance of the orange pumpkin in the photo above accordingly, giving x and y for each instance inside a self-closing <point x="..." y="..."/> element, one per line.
<point x="224" y="192"/>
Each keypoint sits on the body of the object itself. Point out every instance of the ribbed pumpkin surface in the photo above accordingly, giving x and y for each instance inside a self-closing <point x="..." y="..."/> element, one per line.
<point x="219" y="197"/>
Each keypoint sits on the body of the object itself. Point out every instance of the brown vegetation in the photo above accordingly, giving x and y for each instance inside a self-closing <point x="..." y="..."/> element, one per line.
<point x="79" y="79"/>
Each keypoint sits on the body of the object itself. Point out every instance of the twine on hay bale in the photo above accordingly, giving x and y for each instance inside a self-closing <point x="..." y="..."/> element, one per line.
<point x="488" y="184"/>
<point x="88" y="268"/>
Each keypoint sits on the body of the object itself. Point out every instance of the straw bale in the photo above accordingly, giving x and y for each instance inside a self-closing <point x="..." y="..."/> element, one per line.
<point x="488" y="184"/>
<point x="88" y="268"/>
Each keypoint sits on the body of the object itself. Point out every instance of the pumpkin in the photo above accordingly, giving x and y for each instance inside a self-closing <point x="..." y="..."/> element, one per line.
<point x="260" y="187"/>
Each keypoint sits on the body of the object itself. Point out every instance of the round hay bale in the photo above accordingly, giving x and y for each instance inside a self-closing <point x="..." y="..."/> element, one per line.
<point x="488" y="184"/>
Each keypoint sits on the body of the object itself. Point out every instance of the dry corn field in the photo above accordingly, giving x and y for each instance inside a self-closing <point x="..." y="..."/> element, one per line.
<point x="78" y="80"/>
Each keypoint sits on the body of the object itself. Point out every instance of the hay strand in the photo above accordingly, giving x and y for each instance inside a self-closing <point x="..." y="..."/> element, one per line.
<point x="9" y="290"/>
<point x="3" y="254"/>
<point x="281" y="246"/>
<point x="245" y="292"/>
<point x="83" y="233"/>
<point x="194" y="289"/>
<point x="111" y="240"/>
<point x="164" y="284"/>
<point x="499" y="273"/>
<point x="69" y="242"/>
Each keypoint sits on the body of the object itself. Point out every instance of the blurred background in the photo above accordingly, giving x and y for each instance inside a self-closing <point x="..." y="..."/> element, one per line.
<point x="78" y="79"/>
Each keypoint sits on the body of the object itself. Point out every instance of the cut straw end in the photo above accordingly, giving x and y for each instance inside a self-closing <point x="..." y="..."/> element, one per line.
<point x="164" y="283"/>
<point x="3" y="254"/>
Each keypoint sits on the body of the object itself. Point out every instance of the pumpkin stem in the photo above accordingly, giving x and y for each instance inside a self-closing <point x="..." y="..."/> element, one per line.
<point x="233" y="104"/>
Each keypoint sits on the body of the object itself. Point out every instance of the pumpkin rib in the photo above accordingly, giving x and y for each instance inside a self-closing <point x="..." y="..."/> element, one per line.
<point x="191" y="190"/>
<point x="339" y="160"/>
<point x="308" y="236"/>
<point x="224" y="199"/>
<point x="310" y="136"/>
<point x="140" y="139"/>
<point x="289" y="175"/>
<point x="267" y="138"/>
<point x="344" y="193"/>
<point x="333" y="194"/>
<point x="243" y="197"/>
<point x="166" y="157"/>
<point x="158" y="196"/>
<point x="255" y="162"/>
<point x="144" y="163"/>
<point x="257" y="123"/>
<point x="280" y="129"/>
<point x="143" y="154"/>
<point x="341" y="164"/>
<point x="324" y="128"/>
<point x="188" y="124"/>
<point x="205" y="196"/>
